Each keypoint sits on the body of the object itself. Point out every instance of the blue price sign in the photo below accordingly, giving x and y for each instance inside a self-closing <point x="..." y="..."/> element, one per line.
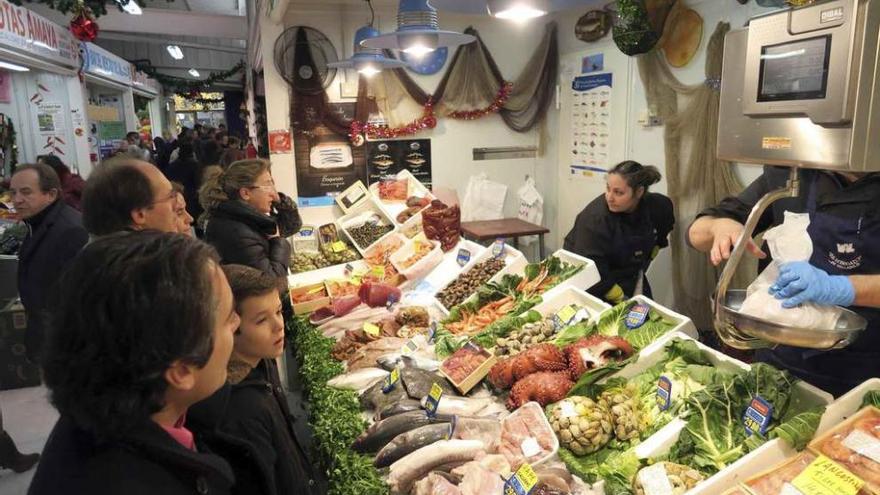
<point x="637" y="316"/>
<point x="391" y="381"/>
<point x="664" y="393"/>
<point x="758" y="416"/>
<point x="463" y="257"/>
<point x="498" y="248"/>
<point x="523" y="482"/>
<point x="433" y="400"/>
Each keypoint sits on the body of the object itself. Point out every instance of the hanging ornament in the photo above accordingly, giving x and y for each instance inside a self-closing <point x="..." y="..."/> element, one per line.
<point x="500" y="99"/>
<point x="83" y="25"/>
<point x="358" y="129"/>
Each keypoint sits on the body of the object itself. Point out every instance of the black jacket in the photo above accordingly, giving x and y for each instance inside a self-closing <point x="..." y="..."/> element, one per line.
<point x="621" y="243"/>
<point x="146" y="462"/>
<point x="254" y="412"/>
<point x="55" y="237"/>
<point x="241" y="235"/>
<point x="187" y="171"/>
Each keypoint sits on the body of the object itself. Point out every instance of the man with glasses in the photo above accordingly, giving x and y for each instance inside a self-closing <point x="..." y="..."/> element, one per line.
<point x="129" y="194"/>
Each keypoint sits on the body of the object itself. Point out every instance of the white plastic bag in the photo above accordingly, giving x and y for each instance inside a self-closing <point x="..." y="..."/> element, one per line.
<point x="483" y="199"/>
<point x="787" y="242"/>
<point x="531" y="207"/>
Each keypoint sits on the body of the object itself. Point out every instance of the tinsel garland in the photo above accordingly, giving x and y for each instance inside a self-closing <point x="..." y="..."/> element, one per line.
<point x="359" y="129"/>
<point x="99" y="7"/>
<point x="500" y="99"/>
<point x="189" y="88"/>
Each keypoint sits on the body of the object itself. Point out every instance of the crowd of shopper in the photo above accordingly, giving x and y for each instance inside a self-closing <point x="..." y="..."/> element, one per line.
<point x="156" y="314"/>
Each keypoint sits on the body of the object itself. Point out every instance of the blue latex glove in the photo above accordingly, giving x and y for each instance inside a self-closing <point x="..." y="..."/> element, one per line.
<point x="800" y="282"/>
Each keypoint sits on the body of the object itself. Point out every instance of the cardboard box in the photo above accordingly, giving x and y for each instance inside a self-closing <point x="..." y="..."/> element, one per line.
<point x="475" y="376"/>
<point x="310" y="305"/>
<point x="15" y="370"/>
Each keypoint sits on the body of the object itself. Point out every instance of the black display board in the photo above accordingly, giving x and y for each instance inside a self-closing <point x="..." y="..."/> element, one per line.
<point x="387" y="158"/>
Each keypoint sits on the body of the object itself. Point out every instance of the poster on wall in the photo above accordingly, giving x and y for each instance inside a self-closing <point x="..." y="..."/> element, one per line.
<point x="387" y="158"/>
<point x="50" y="118"/>
<point x="110" y="136"/>
<point x="326" y="163"/>
<point x="279" y="142"/>
<point x="590" y="125"/>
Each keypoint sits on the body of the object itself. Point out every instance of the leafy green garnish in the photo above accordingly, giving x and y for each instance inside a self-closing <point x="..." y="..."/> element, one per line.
<point x="872" y="398"/>
<point x="796" y="432"/>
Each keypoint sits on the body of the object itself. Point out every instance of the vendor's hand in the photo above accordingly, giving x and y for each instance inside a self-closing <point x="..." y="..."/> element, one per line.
<point x="726" y="233"/>
<point x="800" y="282"/>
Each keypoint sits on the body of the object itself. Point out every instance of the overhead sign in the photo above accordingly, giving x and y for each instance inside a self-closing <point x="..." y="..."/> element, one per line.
<point x="100" y="62"/>
<point x="33" y="34"/>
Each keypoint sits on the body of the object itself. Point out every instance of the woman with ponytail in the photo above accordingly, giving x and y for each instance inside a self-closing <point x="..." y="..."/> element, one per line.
<point x="623" y="230"/>
<point x="240" y="205"/>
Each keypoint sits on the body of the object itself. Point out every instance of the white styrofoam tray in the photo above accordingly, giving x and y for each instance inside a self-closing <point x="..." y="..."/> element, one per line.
<point x="394" y="208"/>
<point x="777" y="451"/>
<point x="350" y="220"/>
<point x="683" y="324"/>
<point x="421" y="268"/>
<point x="514" y="262"/>
<point x="571" y="295"/>
<point x="804" y="396"/>
<point x="584" y="279"/>
<point x="449" y="269"/>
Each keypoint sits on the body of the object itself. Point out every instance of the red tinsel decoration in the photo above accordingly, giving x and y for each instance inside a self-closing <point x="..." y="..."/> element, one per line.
<point x="500" y="99"/>
<point x="358" y="129"/>
<point x="83" y="25"/>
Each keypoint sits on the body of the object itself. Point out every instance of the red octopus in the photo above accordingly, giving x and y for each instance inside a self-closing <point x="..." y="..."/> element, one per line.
<point x="542" y="357"/>
<point x="595" y="352"/>
<point x="544" y="387"/>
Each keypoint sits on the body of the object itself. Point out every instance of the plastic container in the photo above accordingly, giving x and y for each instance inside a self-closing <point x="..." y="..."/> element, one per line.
<point x="514" y="262"/>
<point x="358" y="215"/>
<point x="412" y="226"/>
<point x="449" y="269"/>
<point x="533" y="409"/>
<point x="572" y="295"/>
<point x="423" y="266"/>
<point x="353" y="196"/>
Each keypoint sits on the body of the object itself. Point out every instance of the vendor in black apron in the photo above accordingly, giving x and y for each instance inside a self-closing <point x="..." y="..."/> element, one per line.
<point x="844" y="269"/>
<point x="622" y="231"/>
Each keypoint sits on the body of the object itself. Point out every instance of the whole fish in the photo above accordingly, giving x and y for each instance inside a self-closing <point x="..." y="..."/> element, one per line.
<point x="462" y="406"/>
<point x="358" y="380"/>
<point x="375" y="399"/>
<point x="390" y="361"/>
<point x="379" y="434"/>
<point x="418" y="464"/>
<point x="418" y="383"/>
<point x="400" y="407"/>
<point x="408" y="442"/>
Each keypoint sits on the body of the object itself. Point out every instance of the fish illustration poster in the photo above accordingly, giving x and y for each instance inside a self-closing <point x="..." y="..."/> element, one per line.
<point x="590" y="125"/>
<point x="387" y="158"/>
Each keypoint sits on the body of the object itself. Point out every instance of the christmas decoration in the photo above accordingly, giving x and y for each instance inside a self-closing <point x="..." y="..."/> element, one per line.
<point x="359" y="129"/>
<point x="500" y="99"/>
<point x="189" y="88"/>
<point x="83" y="25"/>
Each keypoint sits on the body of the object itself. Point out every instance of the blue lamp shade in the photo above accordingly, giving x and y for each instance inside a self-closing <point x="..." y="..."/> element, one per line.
<point x="418" y="31"/>
<point x="367" y="61"/>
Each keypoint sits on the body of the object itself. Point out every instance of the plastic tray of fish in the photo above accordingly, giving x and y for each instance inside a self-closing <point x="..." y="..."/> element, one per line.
<point x="514" y="262"/>
<point x="449" y="269"/>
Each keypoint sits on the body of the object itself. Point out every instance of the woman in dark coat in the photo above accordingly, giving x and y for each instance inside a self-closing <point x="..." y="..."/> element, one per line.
<point x="238" y="203"/>
<point x="187" y="172"/>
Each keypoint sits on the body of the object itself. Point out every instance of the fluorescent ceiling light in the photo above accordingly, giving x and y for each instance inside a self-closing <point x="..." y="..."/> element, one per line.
<point x="194" y="73"/>
<point x="516" y="10"/>
<point x="130" y="6"/>
<point x="16" y="68"/>
<point x="175" y="52"/>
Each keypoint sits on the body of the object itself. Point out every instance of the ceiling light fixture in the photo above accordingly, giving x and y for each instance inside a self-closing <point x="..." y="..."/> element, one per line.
<point x="516" y="10"/>
<point x="175" y="52"/>
<point x="418" y="31"/>
<point x="367" y="61"/>
<point x="15" y="67"/>
<point x="130" y="6"/>
<point x="194" y="73"/>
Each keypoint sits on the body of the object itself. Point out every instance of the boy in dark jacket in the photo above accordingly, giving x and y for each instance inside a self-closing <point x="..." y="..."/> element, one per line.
<point x="251" y="409"/>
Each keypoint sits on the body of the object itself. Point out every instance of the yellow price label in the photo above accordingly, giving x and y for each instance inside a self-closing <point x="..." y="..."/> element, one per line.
<point x="436" y="391"/>
<point x="566" y="314"/>
<point x="317" y="289"/>
<point x="338" y="247"/>
<point x="826" y="477"/>
<point x="372" y="329"/>
<point x="378" y="271"/>
<point x="522" y="482"/>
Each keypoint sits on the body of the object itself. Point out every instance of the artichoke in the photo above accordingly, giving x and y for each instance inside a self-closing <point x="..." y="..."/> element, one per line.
<point x="582" y="425"/>
<point x="628" y="417"/>
<point x="681" y="478"/>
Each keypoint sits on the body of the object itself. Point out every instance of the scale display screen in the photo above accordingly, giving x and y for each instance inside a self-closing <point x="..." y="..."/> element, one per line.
<point x="796" y="70"/>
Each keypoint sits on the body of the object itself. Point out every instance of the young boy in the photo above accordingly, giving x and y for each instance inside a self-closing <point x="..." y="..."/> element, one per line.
<point x="252" y="407"/>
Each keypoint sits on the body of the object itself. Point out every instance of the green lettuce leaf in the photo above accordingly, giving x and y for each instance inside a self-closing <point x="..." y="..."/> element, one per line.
<point x="611" y="322"/>
<point x="796" y="432"/>
<point x="573" y="333"/>
<point x="872" y="398"/>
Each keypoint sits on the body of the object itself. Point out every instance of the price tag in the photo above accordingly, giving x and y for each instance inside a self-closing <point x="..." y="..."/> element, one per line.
<point x="378" y="271"/>
<point x="522" y="482"/>
<point x="664" y="393"/>
<point x="637" y="316"/>
<point x="432" y="330"/>
<point x="863" y="444"/>
<point x="372" y="329"/>
<point x="338" y="247"/>
<point x="315" y="290"/>
<point x="391" y="381"/>
<point x="463" y="257"/>
<point x="758" y="416"/>
<point x="530" y="447"/>
<point x="825" y="477"/>
<point x="498" y="248"/>
<point x="433" y="400"/>
<point x="655" y="480"/>
<point x="410" y="347"/>
<point x="349" y="269"/>
<point x="564" y="316"/>
<point x="306" y="232"/>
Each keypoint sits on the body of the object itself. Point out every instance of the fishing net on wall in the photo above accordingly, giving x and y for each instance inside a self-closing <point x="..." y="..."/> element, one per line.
<point x="473" y="81"/>
<point x="696" y="177"/>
